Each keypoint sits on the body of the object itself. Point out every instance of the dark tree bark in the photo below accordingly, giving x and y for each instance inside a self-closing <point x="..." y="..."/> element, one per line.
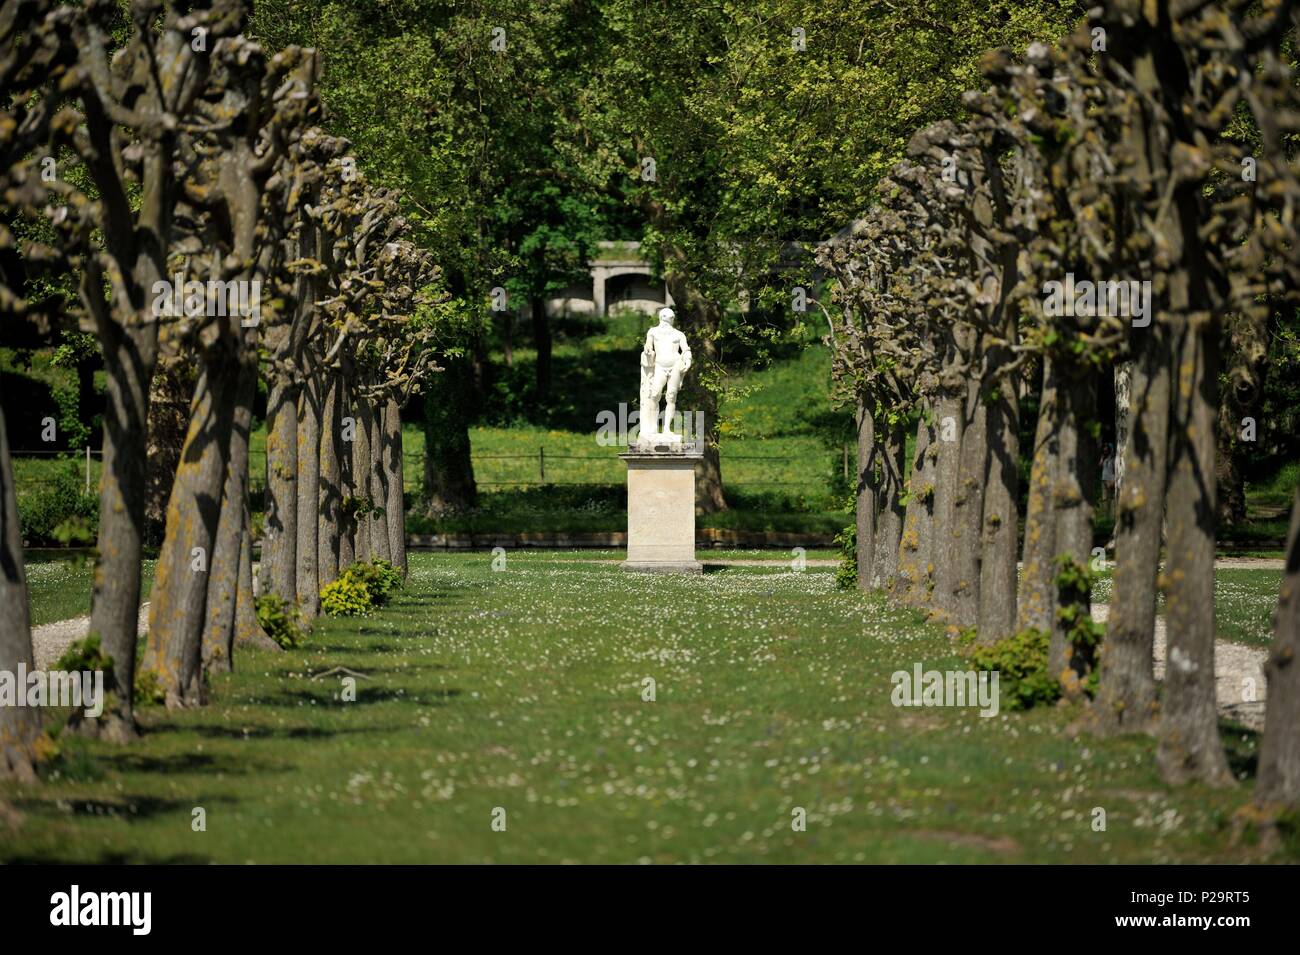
<point x="699" y="319"/>
<point x="947" y="472"/>
<point x="20" y="726"/>
<point x="379" y="544"/>
<point x="279" y="565"/>
<point x="448" y="469"/>
<point x="332" y="451"/>
<point x="865" y="505"/>
<point x="1073" y="499"/>
<point x="997" y="586"/>
<point x="362" y="476"/>
<point x="115" y="600"/>
<point x="308" y="580"/>
<point x="1247" y="366"/>
<point x="347" y="469"/>
<point x="248" y="632"/>
<point x="1036" y="607"/>
<point x="968" y="511"/>
<point x="915" y="547"/>
<point x="224" y="577"/>
<point x="543" y="342"/>
<point x="395" y="497"/>
<point x="1277" y="789"/>
<point x="889" y="523"/>
<point x="1123" y="418"/>
<point x="1189" y="746"/>
<point x="169" y="414"/>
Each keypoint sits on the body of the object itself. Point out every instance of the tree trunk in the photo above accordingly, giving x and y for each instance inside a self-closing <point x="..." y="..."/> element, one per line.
<point x="1277" y="788"/>
<point x="179" y="599"/>
<point x="1126" y="696"/>
<point x="915" y="546"/>
<point x="307" y="579"/>
<point x="1190" y="748"/>
<point x="363" y="469"/>
<point x="448" y="469"/>
<point x="248" y="632"/>
<point x="129" y="357"/>
<point x="947" y="466"/>
<point x="699" y="319"/>
<point x="968" y="511"/>
<point x="543" y="343"/>
<point x="379" y="546"/>
<point x="228" y="548"/>
<point x="709" y="498"/>
<point x="331" y="485"/>
<point x="889" y="522"/>
<point x="395" y="512"/>
<point x="997" y="584"/>
<point x="1036" y="608"/>
<point x="1123" y="417"/>
<point x="1073" y="499"/>
<point x="169" y="414"/>
<point x="865" y="505"/>
<point x="20" y="726"/>
<point x="279" y="567"/>
<point x="347" y="468"/>
<point x="1244" y="376"/>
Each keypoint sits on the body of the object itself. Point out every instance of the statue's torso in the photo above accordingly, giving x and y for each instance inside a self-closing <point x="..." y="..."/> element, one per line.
<point x="667" y="342"/>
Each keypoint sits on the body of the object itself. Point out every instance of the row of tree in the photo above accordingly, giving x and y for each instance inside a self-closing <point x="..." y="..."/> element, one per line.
<point x="1124" y="200"/>
<point x="171" y="171"/>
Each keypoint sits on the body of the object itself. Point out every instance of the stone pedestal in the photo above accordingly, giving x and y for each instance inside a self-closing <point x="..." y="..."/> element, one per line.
<point x="661" y="509"/>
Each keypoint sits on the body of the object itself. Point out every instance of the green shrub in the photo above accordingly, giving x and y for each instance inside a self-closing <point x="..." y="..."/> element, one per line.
<point x="280" y="621"/>
<point x="50" y="513"/>
<point x="846" y="574"/>
<point x="147" y="690"/>
<point x="379" y="577"/>
<point x="361" y="586"/>
<point x="345" y="597"/>
<point x="83" y="655"/>
<point x="1021" y="663"/>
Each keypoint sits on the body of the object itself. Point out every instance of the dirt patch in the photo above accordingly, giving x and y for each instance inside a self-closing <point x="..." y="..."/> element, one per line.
<point x="51" y="639"/>
<point x="1004" y="845"/>
<point x="1237" y="670"/>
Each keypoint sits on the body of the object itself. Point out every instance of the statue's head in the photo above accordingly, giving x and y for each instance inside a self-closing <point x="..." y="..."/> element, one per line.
<point x="667" y="315"/>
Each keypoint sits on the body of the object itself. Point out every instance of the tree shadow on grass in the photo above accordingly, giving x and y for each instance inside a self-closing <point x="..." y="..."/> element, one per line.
<point x="129" y="808"/>
<point x="264" y="732"/>
<point x="1241" y="744"/>
<point x="189" y="763"/>
<point x="369" y="694"/>
<point x="112" y="857"/>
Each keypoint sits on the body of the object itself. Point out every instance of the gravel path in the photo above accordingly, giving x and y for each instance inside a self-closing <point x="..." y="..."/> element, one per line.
<point x="1233" y="664"/>
<point x="51" y="639"/>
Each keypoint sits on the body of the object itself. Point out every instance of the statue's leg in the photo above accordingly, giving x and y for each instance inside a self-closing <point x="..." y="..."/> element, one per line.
<point x="670" y="405"/>
<point x="650" y="413"/>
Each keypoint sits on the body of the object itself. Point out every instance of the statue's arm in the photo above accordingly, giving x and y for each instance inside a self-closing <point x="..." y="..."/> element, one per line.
<point x="686" y="354"/>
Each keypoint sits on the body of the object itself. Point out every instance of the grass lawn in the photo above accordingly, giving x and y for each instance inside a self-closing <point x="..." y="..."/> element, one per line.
<point x="522" y="690"/>
<point x="59" y="588"/>
<point x="1244" y="601"/>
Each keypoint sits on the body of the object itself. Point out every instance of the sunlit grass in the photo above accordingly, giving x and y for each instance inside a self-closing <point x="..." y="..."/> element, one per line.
<point x="523" y="689"/>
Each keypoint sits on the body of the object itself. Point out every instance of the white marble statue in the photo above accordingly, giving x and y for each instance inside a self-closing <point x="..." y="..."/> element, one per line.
<point x="664" y="359"/>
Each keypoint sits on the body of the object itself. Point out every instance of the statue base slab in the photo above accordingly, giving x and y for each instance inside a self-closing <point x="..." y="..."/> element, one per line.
<point x="661" y="510"/>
